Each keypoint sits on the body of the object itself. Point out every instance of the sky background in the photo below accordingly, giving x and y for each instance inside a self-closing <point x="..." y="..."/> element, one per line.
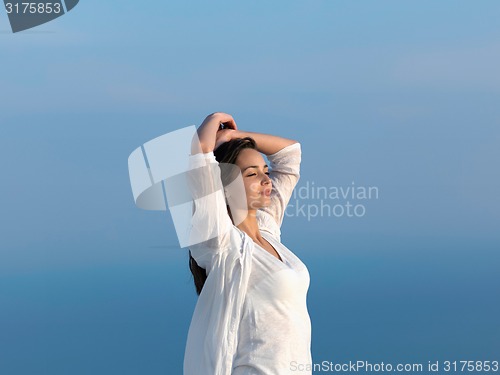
<point x="403" y="96"/>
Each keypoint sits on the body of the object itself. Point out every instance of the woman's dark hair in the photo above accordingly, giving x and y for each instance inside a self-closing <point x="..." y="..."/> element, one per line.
<point x="227" y="152"/>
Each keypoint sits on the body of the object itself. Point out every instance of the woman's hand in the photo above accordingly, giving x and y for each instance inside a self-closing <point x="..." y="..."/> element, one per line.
<point x="208" y="132"/>
<point x="225" y="120"/>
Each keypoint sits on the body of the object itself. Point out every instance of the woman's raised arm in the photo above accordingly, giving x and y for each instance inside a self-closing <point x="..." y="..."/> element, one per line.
<point x="211" y="134"/>
<point x="266" y="143"/>
<point x="211" y="227"/>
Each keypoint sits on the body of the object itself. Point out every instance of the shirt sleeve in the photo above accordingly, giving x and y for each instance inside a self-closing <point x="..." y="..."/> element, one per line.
<point x="284" y="174"/>
<point x="226" y="253"/>
<point x="211" y="226"/>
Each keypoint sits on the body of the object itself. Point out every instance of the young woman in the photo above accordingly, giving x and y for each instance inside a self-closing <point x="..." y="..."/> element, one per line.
<point x="251" y="315"/>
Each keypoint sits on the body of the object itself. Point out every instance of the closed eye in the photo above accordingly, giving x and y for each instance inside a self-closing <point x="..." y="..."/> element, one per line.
<point x="253" y="174"/>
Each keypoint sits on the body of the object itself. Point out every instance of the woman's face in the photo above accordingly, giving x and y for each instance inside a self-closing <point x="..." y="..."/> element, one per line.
<point x="256" y="179"/>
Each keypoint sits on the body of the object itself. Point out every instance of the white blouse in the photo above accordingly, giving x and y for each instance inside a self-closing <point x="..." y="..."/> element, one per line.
<point x="251" y="316"/>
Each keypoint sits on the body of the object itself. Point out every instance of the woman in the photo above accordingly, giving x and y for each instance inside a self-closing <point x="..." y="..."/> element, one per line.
<point x="251" y="316"/>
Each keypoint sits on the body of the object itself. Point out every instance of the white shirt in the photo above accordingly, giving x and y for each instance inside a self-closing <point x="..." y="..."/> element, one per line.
<point x="251" y="316"/>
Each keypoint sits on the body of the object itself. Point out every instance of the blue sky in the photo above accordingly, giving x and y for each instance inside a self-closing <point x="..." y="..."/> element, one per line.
<point x="398" y="95"/>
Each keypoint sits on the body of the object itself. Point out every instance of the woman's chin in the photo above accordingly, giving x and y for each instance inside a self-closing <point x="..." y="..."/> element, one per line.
<point x="260" y="203"/>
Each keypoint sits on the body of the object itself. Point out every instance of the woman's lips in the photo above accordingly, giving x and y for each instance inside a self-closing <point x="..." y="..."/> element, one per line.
<point x="266" y="192"/>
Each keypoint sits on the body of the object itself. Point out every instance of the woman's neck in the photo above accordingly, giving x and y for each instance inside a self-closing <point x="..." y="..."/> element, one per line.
<point x="250" y="226"/>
